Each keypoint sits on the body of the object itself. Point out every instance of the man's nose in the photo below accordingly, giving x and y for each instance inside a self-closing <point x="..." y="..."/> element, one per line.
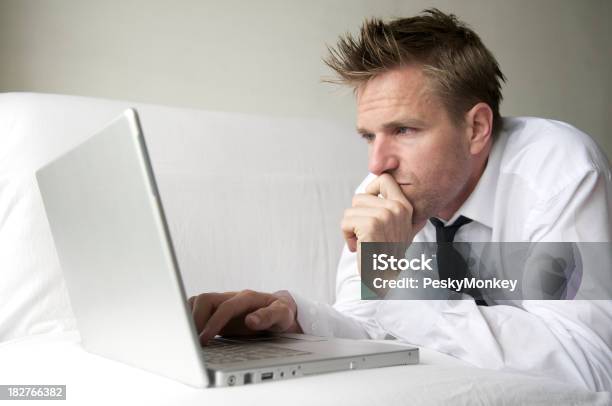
<point x="382" y="157"/>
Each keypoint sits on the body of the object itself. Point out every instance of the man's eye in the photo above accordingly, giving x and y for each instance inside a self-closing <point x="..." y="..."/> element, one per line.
<point x="404" y="130"/>
<point x="368" y="137"/>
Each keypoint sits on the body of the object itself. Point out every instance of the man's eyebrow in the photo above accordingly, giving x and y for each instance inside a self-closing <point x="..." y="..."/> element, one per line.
<point x="412" y="122"/>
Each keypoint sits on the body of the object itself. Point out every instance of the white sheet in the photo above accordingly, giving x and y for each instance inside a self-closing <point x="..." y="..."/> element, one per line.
<point x="439" y="380"/>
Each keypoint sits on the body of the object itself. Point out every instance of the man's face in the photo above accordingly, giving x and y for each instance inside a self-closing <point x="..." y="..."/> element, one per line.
<point x="411" y="136"/>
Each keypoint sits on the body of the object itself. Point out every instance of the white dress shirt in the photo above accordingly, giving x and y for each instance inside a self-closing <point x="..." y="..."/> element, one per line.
<point x="544" y="181"/>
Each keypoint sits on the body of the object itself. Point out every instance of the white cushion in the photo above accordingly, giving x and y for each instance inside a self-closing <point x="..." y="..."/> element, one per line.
<point x="252" y="201"/>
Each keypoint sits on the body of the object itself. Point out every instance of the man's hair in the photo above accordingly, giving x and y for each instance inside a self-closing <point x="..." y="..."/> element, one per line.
<point x="462" y="71"/>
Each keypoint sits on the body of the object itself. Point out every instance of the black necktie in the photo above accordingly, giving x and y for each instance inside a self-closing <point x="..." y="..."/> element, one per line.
<point x="451" y="263"/>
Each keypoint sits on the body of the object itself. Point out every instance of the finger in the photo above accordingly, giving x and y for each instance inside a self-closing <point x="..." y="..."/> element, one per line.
<point x="357" y="228"/>
<point x="367" y="200"/>
<point x="190" y="302"/>
<point x="276" y="317"/>
<point x="347" y="225"/>
<point x="241" y="303"/>
<point x="351" y="242"/>
<point x="387" y="187"/>
<point x="371" y="204"/>
<point x="378" y="212"/>
<point x="386" y="206"/>
<point x="203" y="306"/>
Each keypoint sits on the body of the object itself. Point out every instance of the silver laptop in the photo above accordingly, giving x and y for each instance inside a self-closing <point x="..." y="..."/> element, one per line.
<point x="126" y="291"/>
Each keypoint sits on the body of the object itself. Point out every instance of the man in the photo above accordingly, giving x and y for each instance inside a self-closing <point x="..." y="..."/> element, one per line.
<point x="442" y="158"/>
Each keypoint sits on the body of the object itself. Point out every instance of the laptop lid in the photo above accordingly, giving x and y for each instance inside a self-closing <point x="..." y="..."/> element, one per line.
<point x="116" y="253"/>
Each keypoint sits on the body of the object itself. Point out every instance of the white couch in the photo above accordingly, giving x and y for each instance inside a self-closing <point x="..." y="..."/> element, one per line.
<point x="252" y="202"/>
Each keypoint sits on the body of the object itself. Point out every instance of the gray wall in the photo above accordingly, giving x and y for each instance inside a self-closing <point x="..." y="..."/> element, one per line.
<point x="265" y="57"/>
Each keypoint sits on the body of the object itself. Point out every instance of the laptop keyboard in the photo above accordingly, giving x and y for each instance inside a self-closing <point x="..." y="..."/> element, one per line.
<point x="223" y="352"/>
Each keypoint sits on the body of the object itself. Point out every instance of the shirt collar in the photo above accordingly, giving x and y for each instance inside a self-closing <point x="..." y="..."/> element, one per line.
<point x="480" y="203"/>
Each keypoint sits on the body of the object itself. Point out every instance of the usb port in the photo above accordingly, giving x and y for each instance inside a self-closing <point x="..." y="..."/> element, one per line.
<point x="267" y="375"/>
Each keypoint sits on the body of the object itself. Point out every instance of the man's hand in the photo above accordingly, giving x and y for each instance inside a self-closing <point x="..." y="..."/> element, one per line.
<point x="376" y="219"/>
<point x="243" y="313"/>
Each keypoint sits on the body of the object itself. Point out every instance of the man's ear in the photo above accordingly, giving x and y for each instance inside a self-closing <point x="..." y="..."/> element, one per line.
<point x="479" y="124"/>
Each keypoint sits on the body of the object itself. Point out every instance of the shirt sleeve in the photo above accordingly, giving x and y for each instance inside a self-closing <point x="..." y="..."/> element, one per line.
<point x="349" y="317"/>
<point x="567" y="340"/>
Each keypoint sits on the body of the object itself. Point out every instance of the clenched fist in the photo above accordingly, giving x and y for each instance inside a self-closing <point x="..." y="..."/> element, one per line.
<point x="381" y="214"/>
